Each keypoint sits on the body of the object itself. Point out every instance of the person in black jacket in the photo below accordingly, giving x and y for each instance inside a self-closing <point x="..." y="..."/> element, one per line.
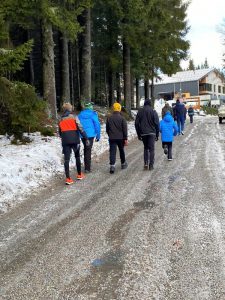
<point x="69" y="129"/>
<point x="147" y="128"/>
<point x="191" y="113"/>
<point x="116" y="128"/>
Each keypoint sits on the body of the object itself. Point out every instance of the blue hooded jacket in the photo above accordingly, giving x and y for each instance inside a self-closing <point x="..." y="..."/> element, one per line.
<point x="90" y="122"/>
<point x="168" y="128"/>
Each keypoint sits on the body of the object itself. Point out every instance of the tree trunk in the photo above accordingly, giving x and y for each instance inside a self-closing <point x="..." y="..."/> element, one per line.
<point x="65" y="70"/>
<point x="106" y="87"/>
<point x="110" y="87"/>
<point x="137" y="94"/>
<point x="118" y="88"/>
<point x="49" y="90"/>
<point x="146" y="89"/>
<point x="85" y="69"/>
<point x="71" y="66"/>
<point x="152" y="91"/>
<point x="126" y="74"/>
<point x="31" y="61"/>
<point x="132" y="90"/>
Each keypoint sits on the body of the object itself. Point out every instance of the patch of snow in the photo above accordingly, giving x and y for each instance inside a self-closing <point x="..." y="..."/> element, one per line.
<point x="24" y="168"/>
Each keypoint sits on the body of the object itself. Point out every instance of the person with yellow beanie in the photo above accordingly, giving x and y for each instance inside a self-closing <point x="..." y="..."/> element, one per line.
<point x="116" y="107"/>
<point x="116" y="128"/>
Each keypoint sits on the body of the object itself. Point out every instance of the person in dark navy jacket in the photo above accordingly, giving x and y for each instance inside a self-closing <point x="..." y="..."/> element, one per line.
<point x="91" y="125"/>
<point x="180" y="112"/>
<point x="70" y="129"/>
<point x="168" y="129"/>
<point x="147" y="128"/>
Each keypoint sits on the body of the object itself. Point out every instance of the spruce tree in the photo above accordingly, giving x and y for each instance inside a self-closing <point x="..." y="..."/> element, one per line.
<point x="191" y="65"/>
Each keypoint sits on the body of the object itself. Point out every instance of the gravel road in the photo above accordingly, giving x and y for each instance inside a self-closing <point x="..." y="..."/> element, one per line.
<point x="136" y="234"/>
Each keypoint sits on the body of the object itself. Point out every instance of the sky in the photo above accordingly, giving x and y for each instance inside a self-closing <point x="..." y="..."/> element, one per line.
<point x="204" y="17"/>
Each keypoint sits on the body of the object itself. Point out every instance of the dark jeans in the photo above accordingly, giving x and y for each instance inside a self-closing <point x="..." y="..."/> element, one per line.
<point x="180" y="123"/>
<point x="191" y="118"/>
<point x="112" y="151"/>
<point x="169" y="146"/>
<point x="87" y="154"/>
<point x="67" y="149"/>
<point x="149" y="149"/>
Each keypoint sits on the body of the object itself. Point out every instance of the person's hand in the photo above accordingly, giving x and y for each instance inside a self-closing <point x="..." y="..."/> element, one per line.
<point x="125" y="142"/>
<point x="87" y="143"/>
<point x="140" y="138"/>
<point x="156" y="138"/>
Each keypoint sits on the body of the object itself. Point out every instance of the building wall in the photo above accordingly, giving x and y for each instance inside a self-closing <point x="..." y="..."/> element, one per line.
<point x="190" y="86"/>
<point x="216" y="82"/>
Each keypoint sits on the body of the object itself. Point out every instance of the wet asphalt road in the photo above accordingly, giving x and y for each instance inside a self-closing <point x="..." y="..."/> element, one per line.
<point x="133" y="235"/>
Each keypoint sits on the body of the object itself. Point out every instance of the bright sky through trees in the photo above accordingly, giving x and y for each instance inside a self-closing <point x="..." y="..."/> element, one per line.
<point x="204" y="17"/>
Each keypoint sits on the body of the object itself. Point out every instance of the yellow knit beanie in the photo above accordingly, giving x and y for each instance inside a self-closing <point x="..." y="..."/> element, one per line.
<point x="116" y="107"/>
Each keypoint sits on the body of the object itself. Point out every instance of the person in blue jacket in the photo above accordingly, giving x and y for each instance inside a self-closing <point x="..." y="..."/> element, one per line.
<point x="89" y="120"/>
<point x="168" y="129"/>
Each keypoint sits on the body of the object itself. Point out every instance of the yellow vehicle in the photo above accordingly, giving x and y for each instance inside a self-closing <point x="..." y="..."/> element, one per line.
<point x="193" y="101"/>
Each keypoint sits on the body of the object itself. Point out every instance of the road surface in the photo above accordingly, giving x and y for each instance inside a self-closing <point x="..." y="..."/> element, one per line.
<point x="133" y="235"/>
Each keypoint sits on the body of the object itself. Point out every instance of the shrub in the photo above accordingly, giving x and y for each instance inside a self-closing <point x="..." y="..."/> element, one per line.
<point x="47" y="131"/>
<point x="20" y="108"/>
<point x="210" y="110"/>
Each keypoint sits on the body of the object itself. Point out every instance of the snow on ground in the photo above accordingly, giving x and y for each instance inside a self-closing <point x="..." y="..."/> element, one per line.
<point x="24" y="168"/>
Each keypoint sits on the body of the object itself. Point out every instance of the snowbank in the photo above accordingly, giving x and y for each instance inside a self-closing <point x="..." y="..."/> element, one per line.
<point x="23" y="168"/>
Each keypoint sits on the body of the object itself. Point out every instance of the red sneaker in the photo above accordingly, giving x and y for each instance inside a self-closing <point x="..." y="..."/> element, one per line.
<point x="69" y="181"/>
<point x="80" y="176"/>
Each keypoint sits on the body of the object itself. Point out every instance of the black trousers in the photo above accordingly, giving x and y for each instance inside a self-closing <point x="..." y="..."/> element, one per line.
<point x="169" y="146"/>
<point x="87" y="154"/>
<point x="67" y="149"/>
<point x="191" y="118"/>
<point x="149" y="149"/>
<point x="113" y="144"/>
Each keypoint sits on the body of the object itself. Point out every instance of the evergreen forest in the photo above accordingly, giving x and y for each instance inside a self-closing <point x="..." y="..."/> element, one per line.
<point x="52" y="51"/>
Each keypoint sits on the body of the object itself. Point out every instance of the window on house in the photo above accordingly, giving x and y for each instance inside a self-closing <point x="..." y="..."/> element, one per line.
<point x="219" y="89"/>
<point x="214" y="88"/>
<point x="205" y="87"/>
<point x="223" y="90"/>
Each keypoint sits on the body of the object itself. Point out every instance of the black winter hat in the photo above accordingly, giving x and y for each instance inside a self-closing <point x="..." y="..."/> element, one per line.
<point x="147" y="102"/>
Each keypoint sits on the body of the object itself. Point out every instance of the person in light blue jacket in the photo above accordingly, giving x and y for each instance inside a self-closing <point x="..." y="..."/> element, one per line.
<point x="168" y="129"/>
<point x="89" y="120"/>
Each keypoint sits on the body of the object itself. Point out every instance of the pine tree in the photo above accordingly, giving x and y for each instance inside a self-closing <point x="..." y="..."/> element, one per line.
<point x="52" y="14"/>
<point x="191" y="65"/>
<point x="206" y="65"/>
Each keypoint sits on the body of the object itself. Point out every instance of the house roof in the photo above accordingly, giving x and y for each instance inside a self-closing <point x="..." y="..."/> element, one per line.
<point x="184" y="76"/>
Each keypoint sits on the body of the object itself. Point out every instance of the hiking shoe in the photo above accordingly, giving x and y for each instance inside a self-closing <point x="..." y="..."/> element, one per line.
<point x="124" y="165"/>
<point x="145" y="167"/>
<point x="87" y="171"/>
<point x="151" y="167"/>
<point x="68" y="181"/>
<point x="112" y="169"/>
<point x="182" y="132"/>
<point x="165" y="150"/>
<point x="170" y="159"/>
<point x="80" y="176"/>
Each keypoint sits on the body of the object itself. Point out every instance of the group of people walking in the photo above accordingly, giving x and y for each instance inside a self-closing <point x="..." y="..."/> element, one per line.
<point x="86" y="126"/>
